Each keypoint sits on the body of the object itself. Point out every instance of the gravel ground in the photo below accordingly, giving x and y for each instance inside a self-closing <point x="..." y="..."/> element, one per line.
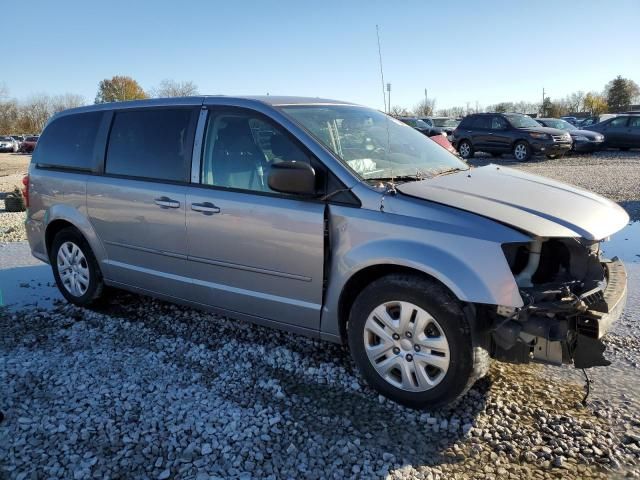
<point x="144" y="389"/>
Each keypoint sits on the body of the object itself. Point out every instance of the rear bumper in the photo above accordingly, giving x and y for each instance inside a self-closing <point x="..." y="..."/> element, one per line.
<point x="587" y="146"/>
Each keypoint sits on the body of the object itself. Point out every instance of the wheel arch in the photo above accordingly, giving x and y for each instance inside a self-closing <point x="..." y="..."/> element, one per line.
<point x="63" y="216"/>
<point x="360" y="279"/>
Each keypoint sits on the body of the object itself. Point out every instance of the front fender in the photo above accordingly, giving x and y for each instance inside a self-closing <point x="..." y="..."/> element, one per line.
<point x="461" y="250"/>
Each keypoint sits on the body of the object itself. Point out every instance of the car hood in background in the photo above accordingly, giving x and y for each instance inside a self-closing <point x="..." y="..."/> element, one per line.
<point x="534" y="204"/>
<point x="547" y="130"/>
<point x="585" y="133"/>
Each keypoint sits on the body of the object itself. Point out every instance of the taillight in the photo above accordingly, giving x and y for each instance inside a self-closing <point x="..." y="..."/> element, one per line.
<point x="25" y="190"/>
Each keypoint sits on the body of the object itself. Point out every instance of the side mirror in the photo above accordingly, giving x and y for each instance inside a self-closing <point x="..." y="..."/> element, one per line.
<point x="294" y="177"/>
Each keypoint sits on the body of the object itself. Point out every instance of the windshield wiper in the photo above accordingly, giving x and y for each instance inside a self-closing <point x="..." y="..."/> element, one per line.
<point x="451" y="170"/>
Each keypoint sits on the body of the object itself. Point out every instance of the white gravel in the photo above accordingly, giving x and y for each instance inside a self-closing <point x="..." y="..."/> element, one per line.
<point x="144" y="389"/>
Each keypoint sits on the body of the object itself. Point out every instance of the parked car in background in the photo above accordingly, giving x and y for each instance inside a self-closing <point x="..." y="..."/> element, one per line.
<point x="331" y="220"/>
<point x="596" y="119"/>
<point x="448" y="124"/>
<point x="19" y="139"/>
<point x="583" y="140"/>
<point x="622" y="131"/>
<point x="498" y="133"/>
<point x="424" y="127"/>
<point x="8" y="144"/>
<point x="571" y="120"/>
<point x="29" y="144"/>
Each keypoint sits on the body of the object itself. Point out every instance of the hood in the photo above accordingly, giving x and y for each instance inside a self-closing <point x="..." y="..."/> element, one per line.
<point x="585" y="133"/>
<point x="531" y="203"/>
<point x="547" y="130"/>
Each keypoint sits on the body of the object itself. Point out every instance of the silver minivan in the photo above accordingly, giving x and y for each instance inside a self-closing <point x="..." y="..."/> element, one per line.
<point x="331" y="220"/>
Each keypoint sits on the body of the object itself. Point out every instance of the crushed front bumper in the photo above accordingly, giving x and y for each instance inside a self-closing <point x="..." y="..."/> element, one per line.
<point x="615" y="299"/>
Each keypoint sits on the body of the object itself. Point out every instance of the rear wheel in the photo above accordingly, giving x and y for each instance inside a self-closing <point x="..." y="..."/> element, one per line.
<point x="522" y="151"/>
<point x="411" y="341"/>
<point x="75" y="268"/>
<point x="465" y="149"/>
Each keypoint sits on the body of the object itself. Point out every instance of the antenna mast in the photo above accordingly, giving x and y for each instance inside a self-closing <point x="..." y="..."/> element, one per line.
<point x="384" y="97"/>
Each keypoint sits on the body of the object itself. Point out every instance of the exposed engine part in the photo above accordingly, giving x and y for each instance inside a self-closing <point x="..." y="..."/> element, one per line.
<point x="572" y="298"/>
<point x="523" y="279"/>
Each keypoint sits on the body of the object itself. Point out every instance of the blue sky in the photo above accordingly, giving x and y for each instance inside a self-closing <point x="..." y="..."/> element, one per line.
<point x="461" y="51"/>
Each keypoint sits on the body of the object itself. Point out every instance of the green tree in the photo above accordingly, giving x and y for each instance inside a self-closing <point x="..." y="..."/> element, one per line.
<point x="119" y="89"/>
<point x="620" y="92"/>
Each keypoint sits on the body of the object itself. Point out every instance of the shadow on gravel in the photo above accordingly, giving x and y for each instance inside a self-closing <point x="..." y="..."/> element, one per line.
<point x="383" y="428"/>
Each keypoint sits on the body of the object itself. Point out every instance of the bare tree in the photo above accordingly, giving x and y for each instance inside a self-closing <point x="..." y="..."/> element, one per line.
<point x="425" y="108"/>
<point x="66" y="101"/>
<point x="398" y="111"/>
<point x="8" y="117"/>
<point x="173" y="88"/>
<point x="34" y="113"/>
<point x="4" y="91"/>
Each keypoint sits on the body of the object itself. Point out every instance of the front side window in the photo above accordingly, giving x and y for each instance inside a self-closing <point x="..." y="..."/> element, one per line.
<point x="152" y="143"/>
<point x="374" y="145"/>
<point x="634" y="122"/>
<point x="68" y="141"/>
<point x="240" y="147"/>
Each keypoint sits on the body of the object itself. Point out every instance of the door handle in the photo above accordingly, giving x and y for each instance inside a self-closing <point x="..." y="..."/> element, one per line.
<point x="166" y="202"/>
<point x="207" y="208"/>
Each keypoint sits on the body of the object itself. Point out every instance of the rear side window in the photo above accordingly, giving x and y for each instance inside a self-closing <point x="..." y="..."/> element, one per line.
<point x="618" y="122"/>
<point x="152" y="143"/>
<point x="68" y="141"/>
<point x="482" y="122"/>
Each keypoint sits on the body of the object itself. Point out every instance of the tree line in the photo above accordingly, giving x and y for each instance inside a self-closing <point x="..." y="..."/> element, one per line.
<point x="30" y="115"/>
<point x="617" y="96"/>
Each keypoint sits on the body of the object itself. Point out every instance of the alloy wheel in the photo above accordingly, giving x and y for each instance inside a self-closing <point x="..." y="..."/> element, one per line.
<point x="406" y="346"/>
<point x="465" y="150"/>
<point x="520" y="152"/>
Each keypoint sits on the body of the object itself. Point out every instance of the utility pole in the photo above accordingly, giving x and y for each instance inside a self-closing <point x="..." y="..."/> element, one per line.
<point x="384" y="98"/>
<point x="426" y="101"/>
<point x="542" y="107"/>
<point x="389" y="95"/>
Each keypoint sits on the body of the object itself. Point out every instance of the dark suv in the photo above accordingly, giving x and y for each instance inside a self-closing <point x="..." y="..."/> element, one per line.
<point x="498" y="133"/>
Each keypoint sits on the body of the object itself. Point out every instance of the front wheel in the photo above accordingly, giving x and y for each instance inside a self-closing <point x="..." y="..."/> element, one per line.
<point x="411" y="341"/>
<point x="465" y="149"/>
<point x="522" y="151"/>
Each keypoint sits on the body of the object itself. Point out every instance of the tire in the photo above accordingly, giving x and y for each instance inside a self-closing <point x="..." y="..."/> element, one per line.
<point x="444" y="331"/>
<point x="87" y="269"/>
<point x="13" y="203"/>
<point x="465" y="149"/>
<point x="522" y="151"/>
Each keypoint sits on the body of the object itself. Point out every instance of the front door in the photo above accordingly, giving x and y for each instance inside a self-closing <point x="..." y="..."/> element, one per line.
<point x="252" y="250"/>
<point x="138" y="206"/>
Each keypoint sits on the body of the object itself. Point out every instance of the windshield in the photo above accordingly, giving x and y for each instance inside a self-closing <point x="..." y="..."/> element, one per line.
<point x="6" y="139"/>
<point x="32" y="139"/>
<point x="445" y="122"/>
<point x="374" y="145"/>
<point x="522" y="121"/>
<point x="560" y="124"/>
